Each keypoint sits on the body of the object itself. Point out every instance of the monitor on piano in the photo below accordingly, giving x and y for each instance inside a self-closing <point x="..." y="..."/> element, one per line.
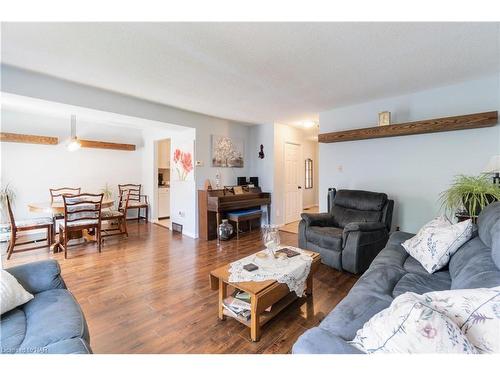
<point x="214" y="204"/>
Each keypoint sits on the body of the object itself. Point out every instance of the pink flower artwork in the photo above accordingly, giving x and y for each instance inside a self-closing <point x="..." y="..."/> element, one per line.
<point x="183" y="164"/>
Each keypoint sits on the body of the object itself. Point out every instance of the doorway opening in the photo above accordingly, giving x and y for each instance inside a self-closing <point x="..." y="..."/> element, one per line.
<point x="163" y="200"/>
<point x="293" y="182"/>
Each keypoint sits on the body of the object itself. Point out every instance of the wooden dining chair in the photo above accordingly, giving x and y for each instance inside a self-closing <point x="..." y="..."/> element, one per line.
<point x="135" y="199"/>
<point x="119" y="215"/>
<point x="17" y="226"/>
<point x="81" y="212"/>
<point x="56" y="195"/>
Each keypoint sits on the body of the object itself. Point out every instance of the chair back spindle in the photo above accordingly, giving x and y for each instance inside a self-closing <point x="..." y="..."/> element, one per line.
<point x="134" y="191"/>
<point x="82" y="209"/>
<point x="57" y="194"/>
<point x="12" y="220"/>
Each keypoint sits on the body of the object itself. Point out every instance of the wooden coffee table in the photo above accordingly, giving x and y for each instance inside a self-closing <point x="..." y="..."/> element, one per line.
<point x="262" y="295"/>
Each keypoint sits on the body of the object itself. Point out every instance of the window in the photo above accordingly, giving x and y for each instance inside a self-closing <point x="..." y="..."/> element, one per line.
<point x="309" y="174"/>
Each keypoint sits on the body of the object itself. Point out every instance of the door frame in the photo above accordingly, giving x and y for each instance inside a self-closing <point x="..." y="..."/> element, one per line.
<point x="155" y="201"/>
<point x="300" y="174"/>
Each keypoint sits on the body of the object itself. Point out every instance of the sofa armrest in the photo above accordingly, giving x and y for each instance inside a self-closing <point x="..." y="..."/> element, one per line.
<point x="40" y="276"/>
<point x="397" y="238"/>
<point x="321" y="220"/>
<point x="320" y="341"/>
<point x="360" y="247"/>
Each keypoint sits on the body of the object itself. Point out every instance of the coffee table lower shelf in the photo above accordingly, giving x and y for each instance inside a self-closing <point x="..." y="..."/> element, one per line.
<point x="266" y="316"/>
<point x="262" y="295"/>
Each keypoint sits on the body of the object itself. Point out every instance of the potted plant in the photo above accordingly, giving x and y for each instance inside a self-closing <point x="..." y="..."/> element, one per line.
<point x="6" y="191"/>
<point x="470" y="193"/>
<point x="106" y="190"/>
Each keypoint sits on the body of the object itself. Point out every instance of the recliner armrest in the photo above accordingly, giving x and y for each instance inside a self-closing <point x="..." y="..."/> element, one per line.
<point x="321" y="220"/>
<point x="361" y="243"/>
<point x="38" y="277"/>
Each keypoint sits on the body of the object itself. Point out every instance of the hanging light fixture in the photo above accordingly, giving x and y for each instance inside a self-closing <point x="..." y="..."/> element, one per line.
<point x="74" y="144"/>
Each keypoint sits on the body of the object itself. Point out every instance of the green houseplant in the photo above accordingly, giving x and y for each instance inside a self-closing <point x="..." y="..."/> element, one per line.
<point x="469" y="193"/>
<point x="6" y="191"/>
<point x="106" y="190"/>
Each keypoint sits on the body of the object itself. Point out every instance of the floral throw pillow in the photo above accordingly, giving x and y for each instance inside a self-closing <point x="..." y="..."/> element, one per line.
<point x="411" y="325"/>
<point x="12" y="294"/>
<point x="437" y="241"/>
<point x="475" y="311"/>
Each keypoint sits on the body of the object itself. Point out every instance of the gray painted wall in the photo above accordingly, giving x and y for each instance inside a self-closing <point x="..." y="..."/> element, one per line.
<point x="413" y="170"/>
<point x="32" y="84"/>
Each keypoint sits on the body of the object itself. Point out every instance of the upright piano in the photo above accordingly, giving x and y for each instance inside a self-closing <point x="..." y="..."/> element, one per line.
<point x="213" y="204"/>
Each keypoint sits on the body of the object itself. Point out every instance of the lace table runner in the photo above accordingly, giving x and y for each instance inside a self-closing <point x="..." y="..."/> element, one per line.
<point x="292" y="271"/>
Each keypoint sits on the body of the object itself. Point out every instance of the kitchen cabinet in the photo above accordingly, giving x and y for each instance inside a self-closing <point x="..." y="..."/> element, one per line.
<point x="164" y="154"/>
<point x="163" y="202"/>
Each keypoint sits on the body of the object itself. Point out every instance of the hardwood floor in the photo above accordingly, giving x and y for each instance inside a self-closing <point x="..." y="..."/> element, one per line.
<point x="150" y="294"/>
<point x="294" y="226"/>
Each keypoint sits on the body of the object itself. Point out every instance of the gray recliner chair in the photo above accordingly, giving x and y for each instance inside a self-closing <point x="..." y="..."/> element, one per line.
<point x="351" y="235"/>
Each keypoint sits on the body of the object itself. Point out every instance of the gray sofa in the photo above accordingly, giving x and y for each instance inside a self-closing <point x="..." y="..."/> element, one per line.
<point x="393" y="272"/>
<point x="351" y="235"/>
<point x="51" y="323"/>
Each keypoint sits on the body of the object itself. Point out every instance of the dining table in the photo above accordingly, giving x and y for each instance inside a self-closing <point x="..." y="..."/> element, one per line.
<point x="57" y="208"/>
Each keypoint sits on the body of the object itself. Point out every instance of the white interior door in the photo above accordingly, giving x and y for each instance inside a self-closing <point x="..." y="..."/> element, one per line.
<point x="293" y="192"/>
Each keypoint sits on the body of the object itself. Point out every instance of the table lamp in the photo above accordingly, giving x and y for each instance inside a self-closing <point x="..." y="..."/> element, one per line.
<point x="493" y="167"/>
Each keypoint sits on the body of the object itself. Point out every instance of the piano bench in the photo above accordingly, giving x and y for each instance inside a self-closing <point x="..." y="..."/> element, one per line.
<point x="242" y="216"/>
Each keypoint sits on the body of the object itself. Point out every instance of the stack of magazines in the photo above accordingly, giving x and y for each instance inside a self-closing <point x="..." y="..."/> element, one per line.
<point x="238" y="305"/>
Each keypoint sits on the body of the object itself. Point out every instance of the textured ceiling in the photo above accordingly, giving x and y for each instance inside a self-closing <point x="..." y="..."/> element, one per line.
<point x="256" y="72"/>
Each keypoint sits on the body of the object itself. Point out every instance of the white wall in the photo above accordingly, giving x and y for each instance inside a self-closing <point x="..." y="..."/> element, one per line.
<point x="27" y="83"/>
<point x="33" y="169"/>
<point x="412" y="170"/>
<point x="310" y="151"/>
<point x="263" y="168"/>
<point x="183" y="206"/>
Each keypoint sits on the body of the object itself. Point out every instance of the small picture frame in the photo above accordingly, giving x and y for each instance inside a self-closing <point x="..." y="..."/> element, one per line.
<point x="238" y="190"/>
<point x="384" y="118"/>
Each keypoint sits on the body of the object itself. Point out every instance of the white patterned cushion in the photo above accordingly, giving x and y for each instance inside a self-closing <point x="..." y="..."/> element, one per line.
<point x="437" y="241"/>
<point x="411" y="325"/>
<point x="475" y="311"/>
<point x="5" y="227"/>
<point x="34" y="221"/>
<point x="111" y="213"/>
<point x="12" y="294"/>
<point x="80" y="223"/>
<point x="136" y="204"/>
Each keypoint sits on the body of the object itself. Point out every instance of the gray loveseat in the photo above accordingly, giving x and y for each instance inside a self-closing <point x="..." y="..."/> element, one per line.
<point x="393" y="272"/>
<point x="351" y="235"/>
<point x="52" y="322"/>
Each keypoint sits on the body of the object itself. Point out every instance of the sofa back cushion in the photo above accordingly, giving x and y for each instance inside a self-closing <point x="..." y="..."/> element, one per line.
<point x="488" y="224"/>
<point x="472" y="267"/>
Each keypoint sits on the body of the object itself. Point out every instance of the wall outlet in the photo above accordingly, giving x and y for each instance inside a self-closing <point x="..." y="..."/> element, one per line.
<point x="199" y="163"/>
<point x="182" y="214"/>
<point x="340" y="168"/>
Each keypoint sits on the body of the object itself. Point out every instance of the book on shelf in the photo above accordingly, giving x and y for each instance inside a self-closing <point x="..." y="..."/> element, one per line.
<point x="237" y="308"/>
<point x="238" y="305"/>
<point x="241" y="295"/>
